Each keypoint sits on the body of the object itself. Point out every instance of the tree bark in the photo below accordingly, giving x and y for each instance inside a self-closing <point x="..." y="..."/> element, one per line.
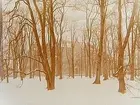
<point x="122" y="45"/>
<point x="102" y="31"/>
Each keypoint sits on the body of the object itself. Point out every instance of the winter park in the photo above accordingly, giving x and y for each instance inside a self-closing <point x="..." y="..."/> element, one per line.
<point x="69" y="52"/>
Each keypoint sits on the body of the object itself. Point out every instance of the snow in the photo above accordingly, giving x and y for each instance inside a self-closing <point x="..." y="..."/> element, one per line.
<point x="78" y="91"/>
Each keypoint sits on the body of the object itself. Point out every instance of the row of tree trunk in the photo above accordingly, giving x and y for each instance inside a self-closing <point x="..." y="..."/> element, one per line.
<point x="46" y="51"/>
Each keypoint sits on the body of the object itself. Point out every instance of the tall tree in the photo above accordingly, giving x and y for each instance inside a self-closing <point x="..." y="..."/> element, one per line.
<point x="49" y="68"/>
<point x="73" y="41"/>
<point x="60" y="25"/>
<point x="1" y="33"/>
<point x="90" y="18"/>
<point x="122" y="44"/>
<point x="1" y="23"/>
<point x="133" y="49"/>
<point x="103" y="10"/>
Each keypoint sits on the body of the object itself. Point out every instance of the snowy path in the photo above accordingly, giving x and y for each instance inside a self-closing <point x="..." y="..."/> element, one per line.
<point x="68" y="92"/>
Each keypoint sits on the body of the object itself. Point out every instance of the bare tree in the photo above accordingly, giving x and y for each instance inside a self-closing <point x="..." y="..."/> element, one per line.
<point x="73" y="41"/>
<point x="132" y="56"/>
<point x="45" y="17"/>
<point x="122" y="45"/>
<point x="103" y="10"/>
<point x="61" y="26"/>
<point x="1" y="33"/>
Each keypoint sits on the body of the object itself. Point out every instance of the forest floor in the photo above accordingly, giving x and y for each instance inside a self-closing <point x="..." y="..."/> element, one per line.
<point x="68" y="92"/>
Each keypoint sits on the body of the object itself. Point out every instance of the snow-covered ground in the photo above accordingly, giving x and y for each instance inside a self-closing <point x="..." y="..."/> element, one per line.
<point x="68" y="92"/>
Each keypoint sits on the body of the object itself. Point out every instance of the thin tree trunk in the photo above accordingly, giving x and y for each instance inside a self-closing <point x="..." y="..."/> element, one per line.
<point x="72" y="61"/>
<point x="132" y="61"/>
<point x="1" y="34"/>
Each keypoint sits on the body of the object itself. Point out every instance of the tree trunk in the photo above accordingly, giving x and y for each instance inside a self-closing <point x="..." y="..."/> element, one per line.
<point x="102" y="32"/>
<point x="98" y="71"/>
<point x="50" y="84"/>
<point x="72" y="61"/>
<point x="122" y="88"/>
<point x="105" y="58"/>
<point x="1" y="26"/>
<point x="1" y="34"/>
<point x="121" y="73"/>
<point x="89" y="59"/>
<point x="132" y="61"/>
<point x="59" y="61"/>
